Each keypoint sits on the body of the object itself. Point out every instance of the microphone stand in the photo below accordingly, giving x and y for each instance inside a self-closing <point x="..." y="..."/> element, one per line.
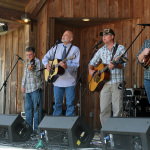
<point x="80" y="95"/>
<point x="49" y="86"/>
<point x="5" y="84"/>
<point x="80" y="80"/>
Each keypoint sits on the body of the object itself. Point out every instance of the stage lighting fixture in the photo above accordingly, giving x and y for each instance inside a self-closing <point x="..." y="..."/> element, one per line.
<point x="25" y="19"/>
<point x="3" y="27"/>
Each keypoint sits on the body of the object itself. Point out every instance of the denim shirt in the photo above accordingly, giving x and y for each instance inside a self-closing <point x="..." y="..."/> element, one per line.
<point x="147" y="70"/>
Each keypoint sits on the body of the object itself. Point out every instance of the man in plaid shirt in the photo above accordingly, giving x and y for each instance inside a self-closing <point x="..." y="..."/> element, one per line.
<point x="32" y="86"/>
<point x="111" y="97"/>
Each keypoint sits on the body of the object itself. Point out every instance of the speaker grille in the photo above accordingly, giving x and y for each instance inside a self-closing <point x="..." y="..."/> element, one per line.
<point x="126" y="134"/>
<point x="66" y="131"/>
<point x="14" y="128"/>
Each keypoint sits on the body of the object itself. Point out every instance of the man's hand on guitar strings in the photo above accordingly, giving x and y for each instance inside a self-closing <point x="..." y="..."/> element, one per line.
<point x="64" y="65"/>
<point x="91" y="71"/>
<point x="48" y="66"/>
<point x="118" y="60"/>
<point x="110" y="65"/>
<point x="95" y="73"/>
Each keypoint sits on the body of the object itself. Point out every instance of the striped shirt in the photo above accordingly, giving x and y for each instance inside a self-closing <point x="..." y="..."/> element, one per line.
<point x="104" y="55"/>
<point x="147" y="70"/>
<point x="33" y="80"/>
<point x="70" y="75"/>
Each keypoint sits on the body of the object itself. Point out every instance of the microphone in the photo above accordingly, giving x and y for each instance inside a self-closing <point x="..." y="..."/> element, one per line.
<point x="57" y="42"/>
<point x="100" y="42"/>
<point x="144" y="24"/>
<point x="20" y="58"/>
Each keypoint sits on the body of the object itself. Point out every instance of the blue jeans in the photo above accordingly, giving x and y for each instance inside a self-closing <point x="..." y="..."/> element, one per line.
<point x="147" y="88"/>
<point x="33" y="101"/>
<point x="70" y="98"/>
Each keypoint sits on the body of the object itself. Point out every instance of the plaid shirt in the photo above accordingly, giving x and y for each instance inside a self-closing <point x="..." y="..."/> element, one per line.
<point x="33" y="80"/>
<point x="147" y="70"/>
<point x="104" y="55"/>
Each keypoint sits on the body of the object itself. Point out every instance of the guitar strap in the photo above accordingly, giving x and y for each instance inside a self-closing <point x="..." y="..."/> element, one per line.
<point x="114" y="51"/>
<point x="69" y="50"/>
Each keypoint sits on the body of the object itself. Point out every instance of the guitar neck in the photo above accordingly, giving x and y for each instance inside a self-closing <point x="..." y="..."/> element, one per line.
<point x="103" y="70"/>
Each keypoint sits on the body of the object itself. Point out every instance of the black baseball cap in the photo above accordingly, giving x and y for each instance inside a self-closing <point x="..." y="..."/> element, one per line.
<point x="107" y="32"/>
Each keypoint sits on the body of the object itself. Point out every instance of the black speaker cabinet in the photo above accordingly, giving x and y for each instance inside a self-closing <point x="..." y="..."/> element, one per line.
<point x="126" y="134"/>
<point x="66" y="131"/>
<point x="14" y="128"/>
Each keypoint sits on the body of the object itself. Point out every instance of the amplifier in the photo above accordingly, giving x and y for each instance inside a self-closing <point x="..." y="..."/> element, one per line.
<point x="129" y="92"/>
<point x="143" y="108"/>
<point x="140" y="91"/>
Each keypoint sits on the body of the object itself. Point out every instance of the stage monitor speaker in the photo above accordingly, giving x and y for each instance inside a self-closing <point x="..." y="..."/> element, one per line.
<point x="14" y="128"/>
<point x="126" y="134"/>
<point x="67" y="131"/>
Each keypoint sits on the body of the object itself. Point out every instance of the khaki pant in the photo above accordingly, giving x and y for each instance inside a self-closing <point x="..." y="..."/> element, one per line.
<point x="111" y="102"/>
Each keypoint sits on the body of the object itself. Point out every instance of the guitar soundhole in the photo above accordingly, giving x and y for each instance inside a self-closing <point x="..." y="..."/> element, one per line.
<point x="97" y="78"/>
<point x="52" y="70"/>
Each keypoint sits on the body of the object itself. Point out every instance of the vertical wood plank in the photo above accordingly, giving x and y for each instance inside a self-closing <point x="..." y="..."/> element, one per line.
<point x="51" y="36"/>
<point x="118" y="32"/>
<point x="126" y="42"/>
<point x="120" y="9"/>
<point x="67" y="6"/>
<point x="103" y="9"/>
<point x="55" y="9"/>
<point x="42" y="33"/>
<point x="33" y="35"/>
<point x="136" y="67"/>
<point x="14" y="74"/>
<point x="2" y="72"/>
<point x="138" y="9"/>
<point x="78" y="8"/>
<point x="113" y="8"/>
<point x="126" y="9"/>
<point x="21" y="52"/>
<point x="8" y="69"/>
<point x="91" y="9"/>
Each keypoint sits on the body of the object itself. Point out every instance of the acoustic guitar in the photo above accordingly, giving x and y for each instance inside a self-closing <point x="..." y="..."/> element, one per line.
<point x="146" y="62"/>
<point x="56" y="69"/>
<point x="97" y="82"/>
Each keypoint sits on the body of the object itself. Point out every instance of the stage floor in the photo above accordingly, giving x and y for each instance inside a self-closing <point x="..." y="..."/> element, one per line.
<point x="33" y="144"/>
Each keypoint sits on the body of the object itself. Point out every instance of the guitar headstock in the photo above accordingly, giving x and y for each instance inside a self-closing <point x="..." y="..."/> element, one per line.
<point x="120" y="59"/>
<point x="71" y="57"/>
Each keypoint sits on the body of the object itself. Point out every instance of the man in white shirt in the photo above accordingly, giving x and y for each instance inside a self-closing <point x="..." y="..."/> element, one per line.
<point x="66" y="82"/>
